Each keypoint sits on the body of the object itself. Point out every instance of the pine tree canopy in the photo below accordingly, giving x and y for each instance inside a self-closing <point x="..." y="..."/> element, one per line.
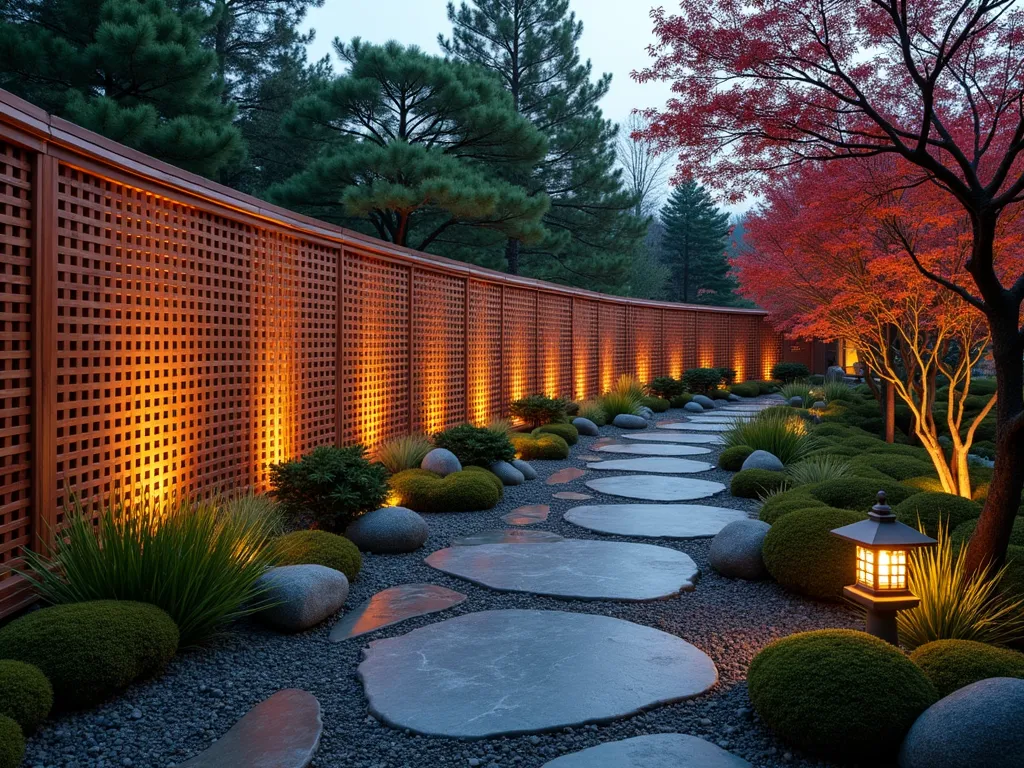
<point x="415" y="146"/>
<point x="132" y="70"/>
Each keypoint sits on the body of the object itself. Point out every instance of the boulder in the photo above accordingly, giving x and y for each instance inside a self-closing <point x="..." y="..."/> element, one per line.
<point x="820" y="404"/>
<point x="585" y="426"/>
<point x="508" y="474"/>
<point x="736" y="550"/>
<point x="529" y="473"/>
<point x="763" y="460"/>
<point x="735" y="398"/>
<point x="629" y="421"/>
<point x="388" y="531"/>
<point x="796" y="402"/>
<point x="835" y="373"/>
<point x="644" y="411"/>
<point x="720" y="403"/>
<point x="704" y="401"/>
<point x="693" y="407"/>
<point x="304" y="595"/>
<point x="978" y="725"/>
<point x="442" y="461"/>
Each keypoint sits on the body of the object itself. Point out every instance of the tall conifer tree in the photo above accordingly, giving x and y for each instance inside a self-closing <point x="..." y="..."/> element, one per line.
<point x="693" y="246"/>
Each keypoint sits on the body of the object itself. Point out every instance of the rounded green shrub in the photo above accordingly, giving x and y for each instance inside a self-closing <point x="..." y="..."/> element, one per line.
<point x="12" y="743"/>
<point x="492" y="478"/>
<point x="476" y="445"/>
<point x="801" y="553"/>
<point x="542" y="446"/>
<point x="746" y="389"/>
<point x="26" y="696"/>
<point x="567" y="432"/>
<point x="665" y="387"/>
<point x="894" y="465"/>
<point x="789" y="372"/>
<point x="859" y="494"/>
<point x="952" y="664"/>
<point x="930" y="508"/>
<point x="963" y="532"/>
<point x="754" y="483"/>
<point x="831" y="430"/>
<point x="1012" y="583"/>
<point x="89" y="651"/>
<point x="465" y="491"/>
<point x="656" y="404"/>
<point x="788" y="501"/>
<point x="536" y="410"/>
<point x="320" y="548"/>
<point x="928" y="483"/>
<point x="680" y="400"/>
<point x="897" y="449"/>
<point x="719" y="394"/>
<point x="838" y="692"/>
<point x="732" y="458"/>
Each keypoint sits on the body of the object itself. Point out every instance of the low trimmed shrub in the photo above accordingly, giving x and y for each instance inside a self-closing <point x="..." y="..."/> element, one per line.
<point x="90" y="651"/>
<point x="831" y="430"/>
<point x="963" y="532"/>
<point x="680" y="400"/>
<point x="1012" y="583"/>
<point x="719" y="394"/>
<point x="402" y="453"/>
<point x="890" y="449"/>
<point x="927" y="483"/>
<point x="656" y="404"/>
<point x="754" y="483"/>
<point x="700" y="380"/>
<point x="930" y="508"/>
<point x="537" y="410"/>
<point x="477" y="446"/>
<point x="728" y="376"/>
<point x="823" y="691"/>
<point x="567" y="432"/>
<point x="732" y="459"/>
<point x="320" y="548"/>
<point x="746" y="389"/>
<point x="26" y="696"/>
<point x="895" y="466"/>
<point x="801" y="553"/>
<point x="492" y="478"/>
<point x="789" y="372"/>
<point x="767" y="387"/>
<point x="953" y="664"/>
<point x="665" y="387"/>
<point x="465" y="491"/>
<point x="12" y="743"/>
<point x="859" y="494"/>
<point x="542" y="446"/>
<point x="788" y="501"/>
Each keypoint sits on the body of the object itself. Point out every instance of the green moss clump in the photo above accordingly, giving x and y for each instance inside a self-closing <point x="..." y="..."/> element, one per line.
<point x="790" y="501"/>
<point x="858" y="493"/>
<point x="656" y="404"/>
<point x="952" y="664"/>
<point x="746" y="389"/>
<point x="567" y="432"/>
<point x="26" y="696"/>
<point x="831" y="430"/>
<point x="927" y="483"/>
<point x="896" y="466"/>
<point x="542" y="446"/>
<point x="823" y="691"/>
<point x="732" y="459"/>
<point x="754" y="483"/>
<point x="963" y="532"/>
<point x="12" y="743"/>
<point x="930" y="508"/>
<point x="896" y="449"/>
<point x="1012" y="583"/>
<point x="90" y="651"/>
<point x="321" y="548"/>
<point x="465" y="491"/>
<point x="719" y="394"/>
<point x="492" y="478"/>
<point x="801" y="553"/>
<point x="680" y="400"/>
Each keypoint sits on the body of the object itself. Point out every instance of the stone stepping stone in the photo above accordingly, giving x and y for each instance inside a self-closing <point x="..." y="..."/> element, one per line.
<point x="716" y="419"/>
<point x="537" y="513"/>
<point x="653" y="465"/>
<point x="660" y="750"/>
<point x="588" y="457"/>
<point x="280" y="732"/>
<point x="676" y="437"/>
<point x="697" y="427"/>
<point x="654" y="449"/>
<point x="507" y="536"/>
<point x="509" y="672"/>
<point x="578" y="569"/>
<point x="656" y="488"/>
<point x="567" y="475"/>
<point x="572" y="495"/>
<point x="393" y="605"/>
<point x="661" y="521"/>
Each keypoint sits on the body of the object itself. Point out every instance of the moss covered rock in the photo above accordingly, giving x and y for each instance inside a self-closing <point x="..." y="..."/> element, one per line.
<point x="801" y="553"/>
<point x="542" y="446"/>
<point x="12" y="743"/>
<point x="567" y="432"/>
<point x="26" y="696"/>
<point x="859" y="494"/>
<point x="839" y="692"/>
<point x="321" y="548"/>
<point x="732" y="458"/>
<point x="465" y="491"/>
<point x="952" y="664"/>
<point x="754" y="483"/>
<point x="930" y="508"/>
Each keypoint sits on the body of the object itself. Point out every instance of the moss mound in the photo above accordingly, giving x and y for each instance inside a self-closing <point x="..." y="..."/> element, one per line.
<point x="89" y="651"/>
<point x="754" y="483"/>
<point x="26" y="696"/>
<point x="896" y="449"/>
<point x="567" y="432"/>
<point x="790" y="501"/>
<point x="892" y="464"/>
<point x="321" y="548"/>
<point x="1012" y="582"/>
<point x="963" y="532"/>
<point x="465" y="491"/>
<point x="732" y="458"/>
<point x="680" y="400"/>
<point x="857" y="493"/>
<point x="932" y="507"/>
<point x="952" y="664"/>
<point x="542" y="446"/>
<point x="492" y="478"/>
<point x="801" y="553"/>
<point x="825" y="691"/>
<point x="656" y="404"/>
<point x="831" y="430"/>
<point x="927" y="483"/>
<point x="746" y="389"/>
<point x="12" y="743"/>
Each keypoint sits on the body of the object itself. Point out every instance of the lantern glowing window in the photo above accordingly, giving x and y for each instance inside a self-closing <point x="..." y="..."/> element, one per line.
<point x="883" y="569"/>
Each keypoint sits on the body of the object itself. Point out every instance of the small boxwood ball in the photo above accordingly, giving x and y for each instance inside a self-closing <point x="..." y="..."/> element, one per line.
<point x="12" y="743"/>
<point x="789" y="501"/>
<point x="89" y="651"/>
<point x="754" y="483"/>
<point x="952" y="664"/>
<point x="858" y="493"/>
<point x="26" y="696"/>
<point x="542" y="446"/>
<point x="838" y="692"/>
<point x="801" y="553"/>
<point x="732" y="459"/>
<point x="930" y="508"/>
<point x="567" y="432"/>
<point x="465" y="491"/>
<point x="321" y="548"/>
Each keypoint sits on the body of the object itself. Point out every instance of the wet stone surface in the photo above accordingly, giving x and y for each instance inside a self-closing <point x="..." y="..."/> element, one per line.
<point x="564" y="476"/>
<point x="507" y="536"/>
<point x="654" y="449"/>
<point x="676" y="437"/>
<point x="668" y="521"/>
<point x="656" y="487"/>
<point x="536" y="513"/>
<point x="652" y="465"/>
<point x="660" y="750"/>
<point x="392" y="606"/>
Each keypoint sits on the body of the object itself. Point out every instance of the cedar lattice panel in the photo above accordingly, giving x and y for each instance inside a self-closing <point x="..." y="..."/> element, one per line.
<point x="16" y="273"/>
<point x="614" y="344"/>
<point x="712" y="330"/>
<point x="585" y="349"/>
<point x="645" y="324"/>
<point x="554" y="337"/>
<point x="375" y="350"/>
<point x="743" y="343"/>
<point x="438" y="362"/>
<point x="520" y="330"/>
<point x="484" y="400"/>
<point x="770" y="348"/>
<point x="676" y="339"/>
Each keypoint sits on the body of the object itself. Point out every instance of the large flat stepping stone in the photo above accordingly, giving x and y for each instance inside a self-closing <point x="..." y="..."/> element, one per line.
<point x="567" y="475"/>
<point x="537" y="513"/>
<point x="676" y="437"/>
<point x="660" y="521"/>
<point x="520" y="671"/>
<point x="653" y="465"/>
<point x="656" y="488"/>
<point x="507" y="536"/>
<point x="574" y="568"/>
<point x="654" y="449"/>
<point x="393" y="605"/>
<point x="697" y="427"/>
<point x="280" y="732"/>
<point x="660" y="750"/>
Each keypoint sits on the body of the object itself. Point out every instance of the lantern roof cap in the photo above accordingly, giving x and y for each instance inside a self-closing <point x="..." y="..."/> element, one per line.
<point x="882" y="530"/>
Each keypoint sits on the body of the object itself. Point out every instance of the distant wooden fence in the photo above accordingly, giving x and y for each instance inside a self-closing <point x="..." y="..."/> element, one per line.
<point x="160" y="331"/>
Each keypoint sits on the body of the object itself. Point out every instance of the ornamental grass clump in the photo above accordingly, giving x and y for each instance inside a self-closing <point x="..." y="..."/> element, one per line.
<point x="817" y="469"/>
<point x="614" y="403"/>
<point x="837" y="391"/>
<point x="777" y="431"/>
<point x="592" y="410"/>
<point x="402" y="453"/>
<point x="199" y="566"/>
<point x="797" y="389"/>
<point x="259" y="509"/>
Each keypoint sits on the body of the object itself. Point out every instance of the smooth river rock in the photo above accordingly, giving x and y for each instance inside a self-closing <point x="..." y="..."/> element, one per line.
<point x="653" y="449"/>
<point x="662" y="521"/>
<point x="392" y="606"/>
<point x="442" y="461"/>
<point x="388" y="531"/>
<point x="580" y="569"/>
<point x="653" y="465"/>
<point x="693" y="407"/>
<point x="526" y="468"/>
<point x="659" y="750"/>
<point x="524" y="671"/>
<point x="763" y="460"/>
<point x="629" y="421"/>
<point x="585" y="426"/>
<point x="301" y="596"/>
<point x="656" y="487"/>
<point x="704" y="401"/>
<point x="507" y="473"/>
<point x="736" y="550"/>
<point x="507" y="536"/>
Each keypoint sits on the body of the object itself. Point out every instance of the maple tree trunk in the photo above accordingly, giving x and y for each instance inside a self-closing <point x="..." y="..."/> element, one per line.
<point x="890" y="412"/>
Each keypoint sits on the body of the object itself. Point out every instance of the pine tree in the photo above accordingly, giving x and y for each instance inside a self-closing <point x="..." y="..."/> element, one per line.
<point x="132" y="70"/>
<point x="693" y="246"/>
<point x="532" y="46"/>
<point x="414" y="147"/>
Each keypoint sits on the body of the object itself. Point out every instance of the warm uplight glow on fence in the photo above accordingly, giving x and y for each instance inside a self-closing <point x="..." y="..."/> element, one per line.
<point x="739" y="364"/>
<point x="549" y="366"/>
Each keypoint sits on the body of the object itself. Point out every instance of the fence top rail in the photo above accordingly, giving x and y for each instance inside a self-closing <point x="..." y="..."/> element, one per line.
<point x="43" y="132"/>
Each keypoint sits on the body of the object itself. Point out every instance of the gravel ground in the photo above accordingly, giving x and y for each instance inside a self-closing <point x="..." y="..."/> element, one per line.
<point x="165" y="721"/>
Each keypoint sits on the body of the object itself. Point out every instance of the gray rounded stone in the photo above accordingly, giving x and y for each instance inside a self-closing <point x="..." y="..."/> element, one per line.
<point x="659" y="750"/>
<point x="736" y="550"/>
<point x="304" y="595"/>
<point x="644" y="411"/>
<point x="704" y="401"/>
<point x="763" y="460"/>
<point x="819" y="405"/>
<point x="979" y="726"/>
<point x="393" y="605"/>
<point x="579" y="569"/>
<point x="653" y="449"/>
<point x="629" y="421"/>
<point x="524" y="671"/>
<point x="796" y="402"/>
<point x="585" y="426"/>
<point x="835" y="373"/>
<point x="693" y="407"/>
<point x="656" y="487"/>
<point x="442" y="461"/>
<point x="388" y="531"/>
<point x="507" y="473"/>
<point x="526" y="468"/>
<point x="652" y="465"/>
<point x="661" y="521"/>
